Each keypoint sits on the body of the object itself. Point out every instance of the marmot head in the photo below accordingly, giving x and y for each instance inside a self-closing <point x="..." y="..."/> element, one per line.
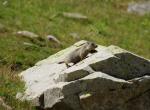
<point x="91" y="46"/>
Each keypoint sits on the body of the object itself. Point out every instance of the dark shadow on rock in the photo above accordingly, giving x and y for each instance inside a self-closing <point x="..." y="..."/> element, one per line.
<point x="60" y="106"/>
<point x="125" y="66"/>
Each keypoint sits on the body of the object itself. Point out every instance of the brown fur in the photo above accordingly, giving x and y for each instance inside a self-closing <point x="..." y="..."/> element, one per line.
<point x="80" y="53"/>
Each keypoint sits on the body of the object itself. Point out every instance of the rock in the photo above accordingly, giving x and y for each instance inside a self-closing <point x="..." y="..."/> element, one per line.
<point x="74" y="15"/>
<point x="140" y="8"/>
<point x="111" y="79"/>
<point x="19" y="95"/>
<point x="36" y="40"/>
<point x="53" y="39"/>
<point x="75" y="35"/>
<point x="27" y="34"/>
<point x="4" y="105"/>
<point x="28" y="44"/>
<point x="5" y="2"/>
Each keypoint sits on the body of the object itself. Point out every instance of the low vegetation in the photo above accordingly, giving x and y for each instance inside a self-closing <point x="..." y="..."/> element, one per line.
<point x="9" y="85"/>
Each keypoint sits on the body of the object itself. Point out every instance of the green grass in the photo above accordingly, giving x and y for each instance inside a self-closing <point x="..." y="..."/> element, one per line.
<point x="9" y="85"/>
<point x="109" y="24"/>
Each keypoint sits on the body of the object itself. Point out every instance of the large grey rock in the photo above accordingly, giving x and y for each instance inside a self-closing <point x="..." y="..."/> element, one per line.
<point x="111" y="79"/>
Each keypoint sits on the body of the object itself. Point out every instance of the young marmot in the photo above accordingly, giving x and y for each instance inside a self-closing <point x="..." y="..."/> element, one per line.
<point x="80" y="53"/>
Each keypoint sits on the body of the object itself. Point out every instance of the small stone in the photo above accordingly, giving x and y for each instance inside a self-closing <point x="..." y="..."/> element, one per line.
<point x="75" y="35"/>
<point x="28" y="44"/>
<point x="74" y="15"/>
<point x="19" y="95"/>
<point x="140" y="8"/>
<point x="27" y="34"/>
<point x="5" y="2"/>
<point x="53" y="39"/>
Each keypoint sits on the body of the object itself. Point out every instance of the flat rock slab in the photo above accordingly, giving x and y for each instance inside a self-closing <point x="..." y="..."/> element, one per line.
<point x="110" y="79"/>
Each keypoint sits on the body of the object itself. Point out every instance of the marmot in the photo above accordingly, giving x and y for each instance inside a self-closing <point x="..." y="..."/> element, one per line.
<point x="80" y="53"/>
